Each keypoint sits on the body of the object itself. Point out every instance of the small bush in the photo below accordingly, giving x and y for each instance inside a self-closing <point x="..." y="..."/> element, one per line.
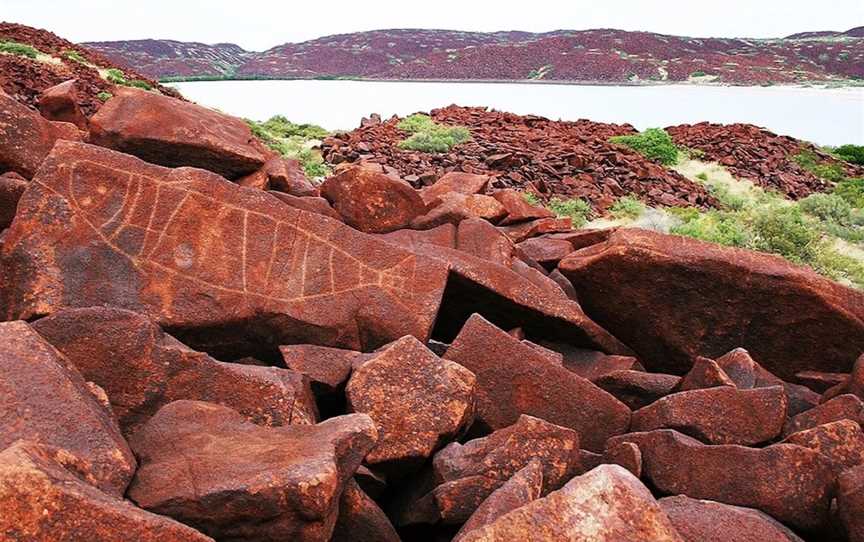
<point x="702" y="176"/>
<point x="531" y="198"/>
<point x="627" y="207"/>
<point x="577" y="209"/>
<point x="104" y="96"/>
<point x="417" y="122"/>
<point x="735" y="202"/>
<point x="75" y="56"/>
<point x="854" y="154"/>
<point x="714" y="226"/>
<point x="282" y="127"/>
<point x="291" y="140"/>
<point x="20" y="49"/>
<point x="851" y="190"/>
<point x="698" y="73"/>
<point x="786" y="231"/>
<point x="138" y="83"/>
<point x="832" y="263"/>
<point x="828" y="207"/>
<point x="654" y="143"/>
<point x="113" y="75"/>
<point x="824" y="169"/>
<point x="437" y="139"/>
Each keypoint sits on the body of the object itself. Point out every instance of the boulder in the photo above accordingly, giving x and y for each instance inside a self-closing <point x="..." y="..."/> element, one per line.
<point x="12" y="187"/>
<point x="525" y="230"/>
<point x="225" y="269"/>
<point x="515" y="379"/>
<point x="143" y="369"/>
<point x="731" y="298"/>
<point x="705" y="373"/>
<point x="44" y="499"/>
<point x="607" y="504"/>
<point x="453" y="208"/>
<point x="60" y="103"/>
<point x="360" y="519"/>
<point x="312" y="204"/>
<point x="45" y="400"/>
<point x="721" y="415"/>
<point x="791" y="483"/>
<point x="545" y="250"/>
<point x="443" y="235"/>
<point x="247" y="482"/>
<point x="842" y="407"/>
<point x="26" y="137"/>
<point x="850" y="502"/>
<point x="592" y="364"/>
<point x="371" y="201"/>
<point x="482" y="240"/>
<point x="820" y="381"/>
<point x="700" y="521"/>
<point x="418" y="401"/>
<point x="327" y="368"/>
<point x="518" y="209"/>
<point x="454" y="182"/>
<point x="853" y="384"/>
<point x="841" y="442"/>
<point x="170" y="132"/>
<point x="286" y="175"/>
<point x="637" y="389"/>
<point x="625" y="454"/>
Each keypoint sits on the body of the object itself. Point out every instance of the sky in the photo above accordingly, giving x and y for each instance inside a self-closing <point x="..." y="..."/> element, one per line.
<point x="258" y="24"/>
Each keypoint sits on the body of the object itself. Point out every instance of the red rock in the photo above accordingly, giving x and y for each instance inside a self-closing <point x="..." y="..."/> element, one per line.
<point x="789" y="482"/>
<point x="545" y="250"/>
<point x="45" y="400"/>
<point x="44" y="499"/>
<point x="453" y="208"/>
<point x="854" y="383"/>
<point x="518" y="208"/>
<point x="842" y="407"/>
<point x="372" y="202"/>
<point x="637" y="389"/>
<point x="60" y="103"/>
<point x="458" y="182"/>
<point x="625" y="454"/>
<point x="258" y="180"/>
<point x="591" y="364"/>
<point x="841" y="442"/>
<point x="482" y="240"/>
<point x="819" y="381"/>
<point x="607" y="504"/>
<point x="721" y="415"/>
<point x="850" y="502"/>
<point x="247" y="482"/>
<point x="170" y="132"/>
<point x="12" y="187"/>
<point x="639" y="273"/>
<point x="360" y="519"/>
<point x="705" y="373"/>
<point x="418" y="402"/>
<point x="700" y="521"/>
<point x="515" y="379"/>
<point x="143" y="369"/>
<point x="327" y="368"/>
<point x="222" y="267"/>
<point x="287" y="175"/>
<point x="311" y="204"/>
<point x="522" y="488"/>
<point x="26" y="138"/>
<point x="520" y="232"/>
<point x="584" y="237"/>
<point x="443" y="236"/>
<point x="565" y="285"/>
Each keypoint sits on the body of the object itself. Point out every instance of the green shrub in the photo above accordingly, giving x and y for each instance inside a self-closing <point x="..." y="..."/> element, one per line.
<point x="436" y="139"/>
<point x="702" y="176"/>
<point x="853" y="154"/>
<point x="74" y="55"/>
<point x="698" y="73"/>
<point x="715" y="226"/>
<point x="531" y="198"/>
<point x="113" y="75"/>
<point x="832" y="263"/>
<point x="577" y="209"/>
<point x="138" y="83"/>
<point x="828" y="207"/>
<point x="785" y="230"/>
<point x="824" y="169"/>
<point x="736" y="202"/>
<point x="417" y="122"/>
<point x="291" y="140"/>
<point x="654" y="143"/>
<point x="282" y="127"/>
<point x="104" y="96"/>
<point x="627" y="207"/>
<point x="20" y="49"/>
<point x="851" y="190"/>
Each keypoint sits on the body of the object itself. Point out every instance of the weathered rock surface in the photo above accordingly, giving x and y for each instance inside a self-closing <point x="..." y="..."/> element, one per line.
<point x="607" y="504"/>
<point x="518" y="208"/>
<point x="453" y="208"/>
<point x="791" y="483"/>
<point x="455" y="181"/>
<point x="287" y="175"/>
<point x="60" y="103"/>
<point x="360" y="519"/>
<point x="850" y="502"/>
<point x="246" y="481"/>
<point x="418" y="402"/>
<point x="327" y="368"/>
<point x="720" y="415"/>
<point x="700" y="521"/>
<point x="215" y="264"/>
<point x="841" y="442"/>
<point x="545" y="251"/>
<point x="705" y="373"/>
<point x="45" y="400"/>
<point x="482" y="240"/>
<point x="515" y="379"/>
<point x="592" y="364"/>
<point x="143" y="369"/>
<point x="839" y="408"/>
<point x="853" y="384"/>
<point x="12" y="187"/>
<point x="44" y="499"/>
<point x="637" y="389"/>
<point x="313" y="204"/>
<point x="732" y="298"/>
<point x="170" y="132"/>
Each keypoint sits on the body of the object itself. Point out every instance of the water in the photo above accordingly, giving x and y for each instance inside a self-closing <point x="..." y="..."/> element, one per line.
<point x="823" y="116"/>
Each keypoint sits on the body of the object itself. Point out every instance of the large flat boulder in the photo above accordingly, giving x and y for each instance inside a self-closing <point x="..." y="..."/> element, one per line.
<point x="205" y="465"/>
<point x="673" y="298"/>
<point x="44" y="399"/>
<point x="43" y="499"/>
<point x="702" y="521"/>
<point x="215" y="264"/>
<point x="142" y="369"/>
<point x="170" y="132"/>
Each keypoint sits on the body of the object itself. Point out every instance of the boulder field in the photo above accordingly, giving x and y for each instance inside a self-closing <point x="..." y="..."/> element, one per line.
<point x="197" y="343"/>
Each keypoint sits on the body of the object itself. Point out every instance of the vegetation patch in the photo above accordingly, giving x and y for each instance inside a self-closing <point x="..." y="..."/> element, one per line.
<point x="654" y="143"/>
<point x="104" y="96"/>
<point x="578" y="210"/>
<point x="824" y="169"/>
<point x="854" y="154"/>
<point x="113" y="75"/>
<point x="429" y="136"/>
<point x="627" y="207"/>
<point x="296" y="141"/>
<point x="75" y="56"/>
<point x="20" y="49"/>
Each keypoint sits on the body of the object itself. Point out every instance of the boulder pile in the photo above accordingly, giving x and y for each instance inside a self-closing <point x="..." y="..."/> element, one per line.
<point x="198" y="344"/>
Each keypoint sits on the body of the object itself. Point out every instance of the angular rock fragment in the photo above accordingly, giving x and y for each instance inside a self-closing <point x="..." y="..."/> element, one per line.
<point x="12" y="187"/>
<point x="791" y="483"/>
<point x="720" y="415"/>
<point x="515" y="379"/>
<point x="327" y="368"/>
<point x="44" y="399"/>
<point x="222" y="268"/>
<point x="545" y="250"/>
<point x="173" y="133"/>
<point x="730" y="299"/>
<point x="287" y="176"/>
<point x="746" y="373"/>
<point x="850" y="502"/>
<point x="44" y="499"/>
<point x="518" y="208"/>
<point x="637" y="389"/>
<point x="625" y="454"/>
<point x="372" y="202"/>
<point x="418" y="401"/>
<point x="60" y="103"/>
<point x="607" y="504"/>
<point x="246" y="481"/>
<point x="819" y="381"/>
<point x="525" y="230"/>
<point x="315" y="205"/>
<point x="360" y="519"/>
<point x="454" y="182"/>
<point x="700" y="521"/>
<point x="592" y="364"/>
<point x="705" y="373"/>
<point x="482" y="240"/>
<point x="453" y="208"/>
<point x="143" y="369"/>
<point x="842" y="407"/>
<point x="853" y="384"/>
<point x="841" y="442"/>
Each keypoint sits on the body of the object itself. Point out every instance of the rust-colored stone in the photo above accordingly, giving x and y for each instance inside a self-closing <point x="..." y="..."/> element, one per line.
<point x="170" y="132"/>
<point x="222" y="267"/>
<point x="592" y="364"/>
<point x="418" y="401"/>
<point x="850" y="502"/>
<point x="673" y="298"/>
<point x="637" y="389"/>
<point x="842" y="407"/>
<point x="312" y="204"/>
<point x="518" y="208"/>
<point x="841" y="442"/>
<point x="481" y="239"/>
<point x="244" y="481"/>
<point x="853" y="384"/>
<point x="820" y="381"/>
<point x="60" y="103"/>
<point x="360" y="519"/>
<point x="453" y="208"/>
<point x="545" y="250"/>
<point x="143" y="369"/>
<point x="286" y="175"/>
<point x="705" y="373"/>
<point x="12" y="187"/>
<point x="703" y="521"/>
<point x="44" y="499"/>
<point x="514" y="379"/>
<point x="456" y="181"/>
<point x="525" y="230"/>
<point x="625" y="454"/>
<point x="44" y="399"/>
<point x="327" y="368"/>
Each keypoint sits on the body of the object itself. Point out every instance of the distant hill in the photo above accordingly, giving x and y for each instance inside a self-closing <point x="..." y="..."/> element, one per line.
<point x="604" y="56"/>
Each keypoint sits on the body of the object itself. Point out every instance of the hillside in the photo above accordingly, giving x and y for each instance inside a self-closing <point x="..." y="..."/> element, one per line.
<point x="604" y="56"/>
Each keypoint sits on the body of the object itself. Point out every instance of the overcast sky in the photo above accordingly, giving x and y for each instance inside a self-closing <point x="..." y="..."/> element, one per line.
<point x="258" y="24"/>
